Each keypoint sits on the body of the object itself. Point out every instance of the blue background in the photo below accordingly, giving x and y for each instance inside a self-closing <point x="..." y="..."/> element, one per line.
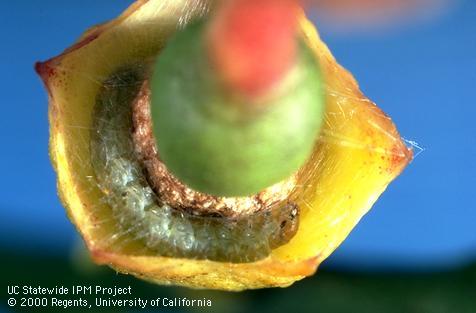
<point x="423" y="74"/>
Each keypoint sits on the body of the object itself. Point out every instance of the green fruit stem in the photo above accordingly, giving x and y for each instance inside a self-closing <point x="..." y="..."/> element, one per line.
<point x="212" y="139"/>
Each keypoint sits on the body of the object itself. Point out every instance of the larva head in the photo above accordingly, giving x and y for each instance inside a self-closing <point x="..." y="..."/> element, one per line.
<point x="234" y="113"/>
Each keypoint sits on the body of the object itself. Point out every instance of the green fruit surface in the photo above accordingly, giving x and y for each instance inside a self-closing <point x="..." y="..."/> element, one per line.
<point x="216" y="142"/>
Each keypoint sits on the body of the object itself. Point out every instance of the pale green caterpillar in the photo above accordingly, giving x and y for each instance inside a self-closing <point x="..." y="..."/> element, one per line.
<point x="165" y="230"/>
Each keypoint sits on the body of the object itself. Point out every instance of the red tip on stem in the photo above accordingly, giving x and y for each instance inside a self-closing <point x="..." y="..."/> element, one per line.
<point x="252" y="43"/>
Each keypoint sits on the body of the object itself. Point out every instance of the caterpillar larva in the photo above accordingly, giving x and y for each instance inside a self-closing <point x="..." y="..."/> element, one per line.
<point x="139" y="211"/>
